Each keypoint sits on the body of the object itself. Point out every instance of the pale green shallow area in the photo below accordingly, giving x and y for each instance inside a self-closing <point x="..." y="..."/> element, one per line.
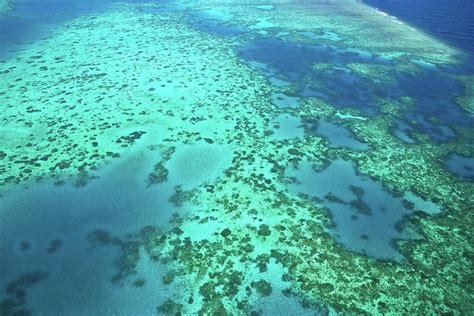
<point x="4" y="5"/>
<point x="244" y="242"/>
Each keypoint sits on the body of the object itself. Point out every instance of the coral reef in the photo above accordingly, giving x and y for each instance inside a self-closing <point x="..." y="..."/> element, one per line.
<point x="247" y="138"/>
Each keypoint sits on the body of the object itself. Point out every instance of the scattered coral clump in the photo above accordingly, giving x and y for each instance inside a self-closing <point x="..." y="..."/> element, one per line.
<point x="247" y="130"/>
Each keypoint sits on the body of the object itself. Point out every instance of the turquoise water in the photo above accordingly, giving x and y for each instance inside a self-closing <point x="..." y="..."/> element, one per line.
<point x="365" y="216"/>
<point x="235" y="158"/>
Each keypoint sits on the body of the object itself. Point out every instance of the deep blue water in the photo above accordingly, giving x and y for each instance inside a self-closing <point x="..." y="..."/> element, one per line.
<point x="449" y="20"/>
<point x="433" y="93"/>
<point x="433" y="90"/>
<point x="292" y="62"/>
<point x="31" y="20"/>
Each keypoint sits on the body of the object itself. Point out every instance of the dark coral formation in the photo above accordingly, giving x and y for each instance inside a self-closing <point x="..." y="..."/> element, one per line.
<point x="242" y="238"/>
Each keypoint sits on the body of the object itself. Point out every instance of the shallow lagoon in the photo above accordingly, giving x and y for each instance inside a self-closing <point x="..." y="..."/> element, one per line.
<point x="365" y="216"/>
<point x="210" y="158"/>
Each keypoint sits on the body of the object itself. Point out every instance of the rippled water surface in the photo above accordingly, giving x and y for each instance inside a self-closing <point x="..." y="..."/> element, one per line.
<point x="451" y="21"/>
<point x="236" y="158"/>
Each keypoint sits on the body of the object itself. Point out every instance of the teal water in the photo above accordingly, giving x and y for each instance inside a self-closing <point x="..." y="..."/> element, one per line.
<point x="339" y="136"/>
<point x="237" y="158"/>
<point x="367" y="218"/>
<point x="118" y="202"/>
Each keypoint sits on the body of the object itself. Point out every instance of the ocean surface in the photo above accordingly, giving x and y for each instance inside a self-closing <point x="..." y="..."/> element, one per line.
<point x="236" y="157"/>
<point x="449" y="21"/>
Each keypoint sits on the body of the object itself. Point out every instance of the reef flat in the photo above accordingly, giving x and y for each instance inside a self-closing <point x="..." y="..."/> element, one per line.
<point x="216" y="158"/>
